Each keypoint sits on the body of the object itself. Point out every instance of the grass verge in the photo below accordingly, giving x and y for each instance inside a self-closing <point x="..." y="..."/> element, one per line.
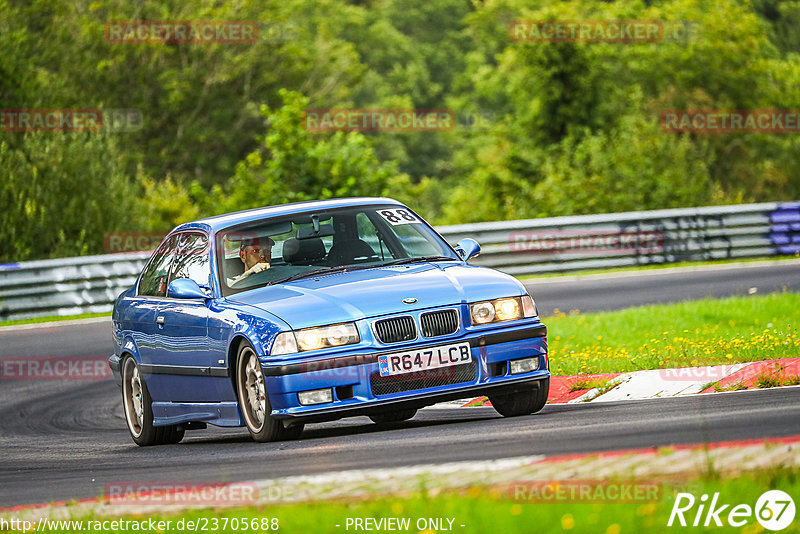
<point x="482" y="510"/>
<point x="738" y="386"/>
<point x="770" y="380"/>
<point x="53" y="318"/>
<point x="600" y="384"/>
<point x="688" y="334"/>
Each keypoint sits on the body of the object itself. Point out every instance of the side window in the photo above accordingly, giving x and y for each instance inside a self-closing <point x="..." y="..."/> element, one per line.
<point x="193" y="259"/>
<point x="154" y="280"/>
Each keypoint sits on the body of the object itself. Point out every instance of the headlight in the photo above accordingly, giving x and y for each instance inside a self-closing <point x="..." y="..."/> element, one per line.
<point x="319" y="337"/>
<point x="506" y="309"/>
<point x="482" y="313"/>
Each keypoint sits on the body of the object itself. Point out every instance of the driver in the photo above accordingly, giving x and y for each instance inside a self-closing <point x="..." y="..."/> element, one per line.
<point x="256" y="255"/>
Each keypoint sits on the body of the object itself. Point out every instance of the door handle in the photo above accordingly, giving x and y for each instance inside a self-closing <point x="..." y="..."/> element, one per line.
<point x="160" y="320"/>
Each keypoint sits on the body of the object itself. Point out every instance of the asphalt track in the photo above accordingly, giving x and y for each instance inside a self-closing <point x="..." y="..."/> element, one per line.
<point x="614" y="291"/>
<point x="63" y="440"/>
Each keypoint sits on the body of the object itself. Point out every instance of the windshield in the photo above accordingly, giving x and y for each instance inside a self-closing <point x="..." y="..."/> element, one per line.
<point x="281" y="249"/>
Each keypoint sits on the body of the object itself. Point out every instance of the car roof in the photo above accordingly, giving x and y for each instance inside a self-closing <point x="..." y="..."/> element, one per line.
<point x="220" y="222"/>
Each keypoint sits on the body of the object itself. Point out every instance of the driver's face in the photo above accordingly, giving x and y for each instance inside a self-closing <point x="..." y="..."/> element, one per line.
<point x="253" y="254"/>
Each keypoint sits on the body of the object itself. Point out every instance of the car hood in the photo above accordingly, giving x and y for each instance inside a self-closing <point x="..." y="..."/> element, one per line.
<point x="380" y="291"/>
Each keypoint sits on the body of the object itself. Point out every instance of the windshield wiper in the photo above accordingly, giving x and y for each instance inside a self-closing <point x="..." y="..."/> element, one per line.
<point x="356" y="267"/>
<point x="419" y="259"/>
<point x="307" y="274"/>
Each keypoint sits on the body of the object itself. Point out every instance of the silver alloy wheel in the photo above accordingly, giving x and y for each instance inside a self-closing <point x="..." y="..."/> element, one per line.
<point x="251" y="382"/>
<point x="134" y="405"/>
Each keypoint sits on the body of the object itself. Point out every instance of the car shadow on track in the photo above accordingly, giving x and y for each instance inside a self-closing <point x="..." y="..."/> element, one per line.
<point x="360" y="426"/>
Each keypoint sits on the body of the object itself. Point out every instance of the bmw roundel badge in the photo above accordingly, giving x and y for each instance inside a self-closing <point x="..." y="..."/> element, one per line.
<point x="409" y="300"/>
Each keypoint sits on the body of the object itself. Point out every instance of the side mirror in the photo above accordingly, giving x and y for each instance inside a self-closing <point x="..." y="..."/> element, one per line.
<point x="468" y="248"/>
<point x="184" y="288"/>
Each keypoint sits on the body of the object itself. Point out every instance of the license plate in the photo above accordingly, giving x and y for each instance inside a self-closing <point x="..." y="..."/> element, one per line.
<point x="412" y="360"/>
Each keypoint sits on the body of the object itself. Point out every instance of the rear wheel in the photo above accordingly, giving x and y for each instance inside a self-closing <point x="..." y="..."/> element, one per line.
<point x="393" y="417"/>
<point x="251" y="389"/>
<point x="138" y="407"/>
<point x="522" y="402"/>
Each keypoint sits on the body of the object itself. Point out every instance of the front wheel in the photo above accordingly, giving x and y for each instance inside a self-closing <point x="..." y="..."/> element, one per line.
<point x="522" y="402"/>
<point x="138" y="407"/>
<point x="251" y="390"/>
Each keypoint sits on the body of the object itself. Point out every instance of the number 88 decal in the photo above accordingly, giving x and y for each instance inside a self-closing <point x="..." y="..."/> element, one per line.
<point x="398" y="216"/>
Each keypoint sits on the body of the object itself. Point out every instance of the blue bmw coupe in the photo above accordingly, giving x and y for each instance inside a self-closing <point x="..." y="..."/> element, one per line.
<point x="276" y="317"/>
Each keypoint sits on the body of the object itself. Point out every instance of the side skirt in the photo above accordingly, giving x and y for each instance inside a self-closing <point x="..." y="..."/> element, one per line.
<point x="219" y="414"/>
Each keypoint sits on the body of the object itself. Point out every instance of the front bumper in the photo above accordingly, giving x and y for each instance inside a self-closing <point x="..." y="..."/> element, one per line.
<point x="358" y="388"/>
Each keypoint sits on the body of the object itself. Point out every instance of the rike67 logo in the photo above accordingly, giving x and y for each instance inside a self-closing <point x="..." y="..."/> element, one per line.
<point x="774" y="510"/>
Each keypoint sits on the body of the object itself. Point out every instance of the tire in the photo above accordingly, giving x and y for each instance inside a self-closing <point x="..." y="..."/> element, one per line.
<point x="251" y="391"/>
<point x="393" y="417"/>
<point x="523" y="402"/>
<point x="138" y="408"/>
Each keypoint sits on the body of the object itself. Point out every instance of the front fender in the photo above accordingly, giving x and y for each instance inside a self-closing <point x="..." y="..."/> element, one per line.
<point x="259" y="338"/>
<point x="125" y="346"/>
<point x="255" y="325"/>
<point x="258" y="327"/>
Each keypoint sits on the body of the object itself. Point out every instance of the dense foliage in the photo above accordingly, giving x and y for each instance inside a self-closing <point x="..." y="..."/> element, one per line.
<point x="541" y="129"/>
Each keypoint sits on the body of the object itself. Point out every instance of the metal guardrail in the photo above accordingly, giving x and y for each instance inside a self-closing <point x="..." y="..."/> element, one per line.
<point x="66" y="286"/>
<point x="70" y="286"/>
<point x="562" y="244"/>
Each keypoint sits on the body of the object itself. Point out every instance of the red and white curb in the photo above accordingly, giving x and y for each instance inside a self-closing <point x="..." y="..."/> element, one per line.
<point x="656" y="383"/>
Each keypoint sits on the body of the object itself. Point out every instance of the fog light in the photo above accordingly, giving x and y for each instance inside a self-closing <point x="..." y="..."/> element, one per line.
<point x="315" y="396"/>
<point x="523" y="366"/>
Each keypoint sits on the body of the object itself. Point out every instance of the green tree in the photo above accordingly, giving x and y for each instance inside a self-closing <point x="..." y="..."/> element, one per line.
<point x="577" y="129"/>
<point x="62" y="192"/>
<point x="293" y="165"/>
<point x="562" y="128"/>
